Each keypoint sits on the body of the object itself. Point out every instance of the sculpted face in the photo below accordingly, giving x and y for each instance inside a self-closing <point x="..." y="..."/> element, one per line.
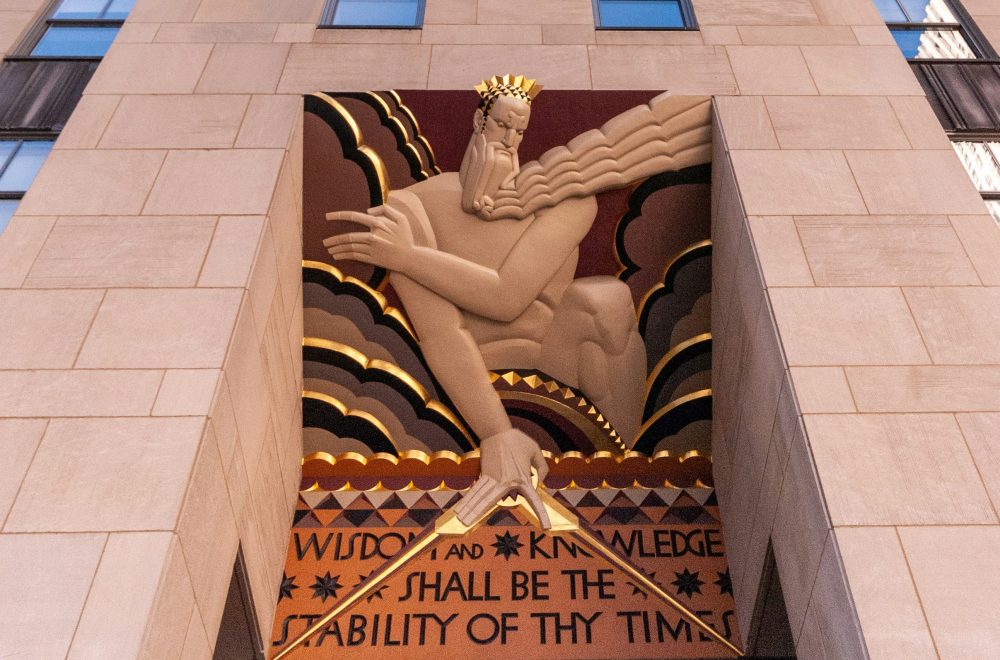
<point x="490" y="161"/>
<point x="506" y="123"/>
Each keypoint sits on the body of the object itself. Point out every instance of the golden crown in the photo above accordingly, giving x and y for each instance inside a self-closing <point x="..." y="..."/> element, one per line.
<point x="518" y="87"/>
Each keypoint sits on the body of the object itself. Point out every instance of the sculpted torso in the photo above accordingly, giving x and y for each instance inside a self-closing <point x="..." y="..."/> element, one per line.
<point x="468" y="236"/>
<point x="465" y="234"/>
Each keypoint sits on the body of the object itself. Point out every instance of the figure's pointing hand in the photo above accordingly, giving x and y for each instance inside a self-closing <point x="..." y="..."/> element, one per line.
<point x="366" y="219"/>
<point x="387" y="243"/>
<point x="506" y="460"/>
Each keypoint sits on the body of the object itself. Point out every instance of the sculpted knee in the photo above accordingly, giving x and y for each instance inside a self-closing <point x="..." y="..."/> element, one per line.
<point x="605" y="306"/>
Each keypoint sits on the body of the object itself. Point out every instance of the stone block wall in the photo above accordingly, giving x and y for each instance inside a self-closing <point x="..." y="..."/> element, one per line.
<point x="854" y="308"/>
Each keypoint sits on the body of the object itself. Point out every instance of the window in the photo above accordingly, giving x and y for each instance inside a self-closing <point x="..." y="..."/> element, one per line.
<point x="927" y="29"/>
<point x="373" y="14"/>
<point x="20" y="161"/>
<point x="982" y="162"/>
<point x="42" y="82"/>
<point x="643" y="15"/>
<point x="81" y="28"/>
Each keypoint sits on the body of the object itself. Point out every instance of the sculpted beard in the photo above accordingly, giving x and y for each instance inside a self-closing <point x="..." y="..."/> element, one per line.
<point x="486" y="167"/>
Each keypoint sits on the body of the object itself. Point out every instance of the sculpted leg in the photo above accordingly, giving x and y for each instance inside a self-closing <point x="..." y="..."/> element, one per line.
<point x="594" y="344"/>
<point x="506" y="454"/>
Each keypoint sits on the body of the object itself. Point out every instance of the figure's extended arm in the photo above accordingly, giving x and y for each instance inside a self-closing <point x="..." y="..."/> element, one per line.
<point x="500" y="294"/>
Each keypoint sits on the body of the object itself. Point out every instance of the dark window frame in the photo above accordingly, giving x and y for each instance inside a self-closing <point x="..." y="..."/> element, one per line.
<point x="326" y="19"/>
<point x="21" y="138"/>
<point x="687" y="15"/>
<point x="45" y="21"/>
<point x="965" y="26"/>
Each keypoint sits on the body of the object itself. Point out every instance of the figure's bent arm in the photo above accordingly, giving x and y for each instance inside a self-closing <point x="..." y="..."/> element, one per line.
<point x="395" y="241"/>
<point x="503" y="294"/>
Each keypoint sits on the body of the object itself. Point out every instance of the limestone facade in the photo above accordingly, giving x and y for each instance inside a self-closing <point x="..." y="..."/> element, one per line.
<point x="150" y="289"/>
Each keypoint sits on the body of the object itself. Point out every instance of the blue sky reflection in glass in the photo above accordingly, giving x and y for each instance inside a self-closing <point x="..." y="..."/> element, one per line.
<point x="641" y="14"/>
<point x="390" y="13"/>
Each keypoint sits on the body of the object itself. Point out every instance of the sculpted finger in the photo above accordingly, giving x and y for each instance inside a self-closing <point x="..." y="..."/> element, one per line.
<point x="347" y="216"/>
<point x="349" y="247"/>
<point x="475" y="493"/>
<point x="479" y="500"/>
<point x="541" y="466"/>
<point x="353" y="256"/>
<point x="488" y="495"/>
<point x="522" y="471"/>
<point x="389" y="212"/>
<point x="355" y="237"/>
<point x="536" y="503"/>
<point x="352" y="216"/>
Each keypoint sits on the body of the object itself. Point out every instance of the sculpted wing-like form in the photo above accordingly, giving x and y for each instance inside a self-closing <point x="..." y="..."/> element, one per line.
<point x="669" y="133"/>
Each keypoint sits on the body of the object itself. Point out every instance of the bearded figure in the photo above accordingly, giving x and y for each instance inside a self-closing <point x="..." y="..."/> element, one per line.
<point x="484" y="261"/>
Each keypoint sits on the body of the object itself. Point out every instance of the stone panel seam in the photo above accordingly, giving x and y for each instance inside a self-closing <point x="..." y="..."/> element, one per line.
<point x="187" y="487"/>
<point x="899" y="120"/>
<point x="159" y="386"/>
<point x="797" y="634"/>
<point x="854" y="178"/>
<point x="90" y="328"/>
<point x="111" y="118"/>
<point x="972" y="457"/>
<point x="41" y="246"/>
<point x="164" y="572"/>
<point x="152" y="186"/>
<point x="916" y="589"/>
<point x="965" y="251"/>
<point x="93" y="579"/>
<point x="842" y="570"/>
<point x="802" y="246"/>
<point x="246" y="109"/>
<point x="812" y="78"/>
<point x="736" y="84"/>
<point x="769" y="525"/>
<point x="204" y="257"/>
<point x="204" y="67"/>
<point x="430" y="58"/>
<point x="201" y="623"/>
<point x="590" y="65"/>
<point x="920" y="333"/>
<point x="180" y="542"/>
<point x="3" y="523"/>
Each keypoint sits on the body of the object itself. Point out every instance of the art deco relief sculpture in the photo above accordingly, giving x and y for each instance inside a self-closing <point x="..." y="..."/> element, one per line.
<point x="484" y="260"/>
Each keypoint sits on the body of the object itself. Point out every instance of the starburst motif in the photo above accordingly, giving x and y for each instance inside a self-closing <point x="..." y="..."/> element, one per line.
<point x="287" y="586"/>
<point x="325" y="586"/>
<point x="725" y="583"/>
<point x="373" y="595"/>
<point x="507" y="545"/>
<point x="687" y="583"/>
<point x="637" y="590"/>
